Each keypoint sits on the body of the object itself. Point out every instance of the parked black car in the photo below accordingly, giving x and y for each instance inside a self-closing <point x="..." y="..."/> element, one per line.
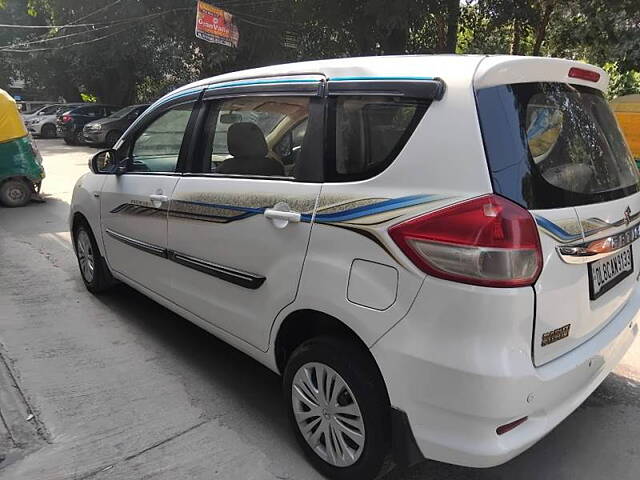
<point x="107" y="131"/>
<point x="71" y="122"/>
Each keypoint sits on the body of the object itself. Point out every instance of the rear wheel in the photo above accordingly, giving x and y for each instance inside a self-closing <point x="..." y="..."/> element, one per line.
<point x="112" y="138"/>
<point x="69" y="140"/>
<point x="48" y="131"/>
<point x="93" y="268"/>
<point x="338" y="407"/>
<point x="15" y="193"/>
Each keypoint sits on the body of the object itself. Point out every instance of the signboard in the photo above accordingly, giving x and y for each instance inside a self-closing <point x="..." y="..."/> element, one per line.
<point x="215" y="25"/>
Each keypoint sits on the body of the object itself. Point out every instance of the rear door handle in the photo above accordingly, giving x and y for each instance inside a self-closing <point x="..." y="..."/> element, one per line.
<point x="158" y="200"/>
<point x="281" y="215"/>
<point x="293" y="217"/>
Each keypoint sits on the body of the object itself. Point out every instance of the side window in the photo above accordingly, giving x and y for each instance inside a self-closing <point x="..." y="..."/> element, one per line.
<point x="260" y="136"/>
<point x="368" y="133"/>
<point x="157" y="147"/>
<point x="91" y="111"/>
<point x="50" y="110"/>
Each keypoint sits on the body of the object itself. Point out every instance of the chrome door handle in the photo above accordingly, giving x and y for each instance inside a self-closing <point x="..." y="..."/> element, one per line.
<point x="159" y="198"/>
<point x="281" y="215"/>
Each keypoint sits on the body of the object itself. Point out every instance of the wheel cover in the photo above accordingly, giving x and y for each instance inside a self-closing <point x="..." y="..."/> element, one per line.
<point x="327" y="414"/>
<point x="86" y="257"/>
<point x="16" y="194"/>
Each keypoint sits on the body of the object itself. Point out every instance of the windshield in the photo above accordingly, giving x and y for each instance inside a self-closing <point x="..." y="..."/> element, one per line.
<point x="552" y="145"/>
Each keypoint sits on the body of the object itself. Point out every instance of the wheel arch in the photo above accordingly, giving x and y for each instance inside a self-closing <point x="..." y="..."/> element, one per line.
<point x="79" y="218"/>
<point x="26" y="180"/>
<point x="304" y="324"/>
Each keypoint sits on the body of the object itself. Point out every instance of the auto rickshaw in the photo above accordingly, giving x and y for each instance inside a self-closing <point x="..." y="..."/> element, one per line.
<point x="21" y="170"/>
<point x="627" y="111"/>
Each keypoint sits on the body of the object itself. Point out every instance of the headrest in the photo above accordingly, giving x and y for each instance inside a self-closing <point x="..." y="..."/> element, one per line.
<point x="245" y="139"/>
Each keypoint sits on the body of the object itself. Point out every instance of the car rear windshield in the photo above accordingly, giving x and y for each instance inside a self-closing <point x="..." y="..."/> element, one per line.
<point x="552" y="145"/>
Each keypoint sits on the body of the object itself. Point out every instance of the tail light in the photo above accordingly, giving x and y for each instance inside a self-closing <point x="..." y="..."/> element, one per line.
<point x="66" y="118"/>
<point x="486" y="241"/>
<point x="584" y="74"/>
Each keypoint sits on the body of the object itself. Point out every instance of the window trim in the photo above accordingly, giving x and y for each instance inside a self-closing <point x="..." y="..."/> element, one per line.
<point x="330" y="160"/>
<point x="409" y="87"/>
<point x="149" y="116"/>
<point x="311" y="165"/>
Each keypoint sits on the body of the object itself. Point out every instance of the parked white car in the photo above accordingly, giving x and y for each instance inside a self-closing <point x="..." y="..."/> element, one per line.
<point x="42" y="123"/>
<point x="436" y="252"/>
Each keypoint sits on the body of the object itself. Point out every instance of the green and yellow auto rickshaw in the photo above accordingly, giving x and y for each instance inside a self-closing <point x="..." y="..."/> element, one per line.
<point x="21" y="170"/>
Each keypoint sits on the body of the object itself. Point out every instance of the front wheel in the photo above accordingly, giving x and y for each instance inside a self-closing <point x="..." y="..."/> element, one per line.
<point x="338" y="407"/>
<point x="79" y="139"/>
<point x="48" y="131"/>
<point x="15" y="193"/>
<point x="93" y="268"/>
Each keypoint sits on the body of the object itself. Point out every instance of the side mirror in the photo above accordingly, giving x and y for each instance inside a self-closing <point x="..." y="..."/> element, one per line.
<point x="105" y="161"/>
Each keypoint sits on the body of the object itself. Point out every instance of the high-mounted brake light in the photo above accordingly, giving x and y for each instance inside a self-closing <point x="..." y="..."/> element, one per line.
<point x="584" y="74"/>
<point x="486" y="241"/>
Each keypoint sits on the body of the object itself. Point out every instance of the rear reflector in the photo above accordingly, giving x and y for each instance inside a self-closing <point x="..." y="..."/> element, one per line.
<point x="487" y="241"/>
<point x="501" y="430"/>
<point x="584" y="74"/>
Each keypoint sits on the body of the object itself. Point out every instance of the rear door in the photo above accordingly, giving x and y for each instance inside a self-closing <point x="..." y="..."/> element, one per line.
<point x="555" y="148"/>
<point x="239" y="223"/>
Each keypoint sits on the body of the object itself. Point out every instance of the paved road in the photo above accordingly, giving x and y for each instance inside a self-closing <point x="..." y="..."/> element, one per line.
<point x="121" y="388"/>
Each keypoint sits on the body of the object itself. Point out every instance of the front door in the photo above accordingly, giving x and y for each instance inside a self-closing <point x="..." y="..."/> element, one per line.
<point x="134" y="205"/>
<point x="239" y="225"/>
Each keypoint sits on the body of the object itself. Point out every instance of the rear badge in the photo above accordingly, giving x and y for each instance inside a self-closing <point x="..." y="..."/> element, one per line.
<point x="555" y="335"/>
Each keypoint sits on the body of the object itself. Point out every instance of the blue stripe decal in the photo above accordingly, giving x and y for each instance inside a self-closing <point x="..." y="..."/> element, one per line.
<point x="262" y="82"/>
<point x="173" y="97"/>
<point x="555" y="230"/>
<point x="346" y="215"/>
<point x="380" y="207"/>
<point x="354" y="79"/>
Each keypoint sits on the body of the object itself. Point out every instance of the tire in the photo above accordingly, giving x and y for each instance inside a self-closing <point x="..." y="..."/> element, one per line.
<point x="93" y="268"/>
<point x="48" y="131"/>
<point x="362" y="398"/>
<point x="15" y="192"/>
<point x="111" y="138"/>
<point x="69" y="140"/>
<point x="79" y="138"/>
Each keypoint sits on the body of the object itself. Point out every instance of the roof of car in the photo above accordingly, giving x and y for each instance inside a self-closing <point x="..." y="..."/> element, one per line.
<point x="463" y="70"/>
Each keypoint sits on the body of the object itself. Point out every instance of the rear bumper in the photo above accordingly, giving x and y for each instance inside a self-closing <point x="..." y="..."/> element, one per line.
<point x="461" y="370"/>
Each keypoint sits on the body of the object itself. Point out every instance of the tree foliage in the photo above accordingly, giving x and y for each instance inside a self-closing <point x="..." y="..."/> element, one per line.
<point x="134" y="50"/>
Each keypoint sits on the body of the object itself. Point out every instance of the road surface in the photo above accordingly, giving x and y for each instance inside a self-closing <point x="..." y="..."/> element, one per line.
<point x="118" y="387"/>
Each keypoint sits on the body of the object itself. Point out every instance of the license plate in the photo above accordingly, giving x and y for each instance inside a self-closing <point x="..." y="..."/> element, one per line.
<point x="607" y="273"/>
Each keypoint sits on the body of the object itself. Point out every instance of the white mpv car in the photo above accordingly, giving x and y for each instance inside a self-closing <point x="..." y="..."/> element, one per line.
<point x="438" y="253"/>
